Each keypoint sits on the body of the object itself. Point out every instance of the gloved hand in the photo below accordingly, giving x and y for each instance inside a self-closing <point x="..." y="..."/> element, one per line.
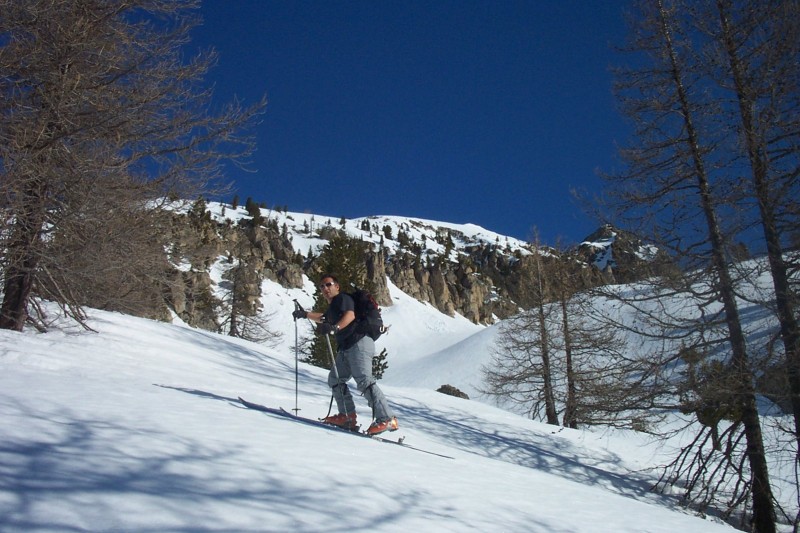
<point x="326" y="329"/>
<point x="299" y="313"/>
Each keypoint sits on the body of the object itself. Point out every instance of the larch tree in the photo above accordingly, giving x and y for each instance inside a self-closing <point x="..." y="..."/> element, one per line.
<point x="757" y="48"/>
<point x="522" y="369"/>
<point x="103" y="119"/>
<point x="681" y="190"/>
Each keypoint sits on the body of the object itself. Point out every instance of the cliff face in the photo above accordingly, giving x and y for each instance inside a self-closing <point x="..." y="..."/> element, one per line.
<point x="455" y="272"/>
<point x="246" y="253"/>
<point x="620" y="256"/>
<point x="450" y="288"/>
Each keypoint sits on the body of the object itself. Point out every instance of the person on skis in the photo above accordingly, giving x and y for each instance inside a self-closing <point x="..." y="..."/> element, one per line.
<point x="354" y="359"/>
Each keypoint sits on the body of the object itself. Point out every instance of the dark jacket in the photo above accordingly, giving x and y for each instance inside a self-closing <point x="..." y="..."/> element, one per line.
<point x="340" y="304"/>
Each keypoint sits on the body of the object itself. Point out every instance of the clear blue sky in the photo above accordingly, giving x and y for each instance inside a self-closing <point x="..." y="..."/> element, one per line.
<point x="461" y="111"/>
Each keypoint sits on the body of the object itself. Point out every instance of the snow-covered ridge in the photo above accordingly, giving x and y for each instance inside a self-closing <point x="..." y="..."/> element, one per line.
<point x="303" y="228"/>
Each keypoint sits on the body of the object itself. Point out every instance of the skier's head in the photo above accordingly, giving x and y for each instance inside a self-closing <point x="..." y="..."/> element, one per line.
<point x="329" y="286"/>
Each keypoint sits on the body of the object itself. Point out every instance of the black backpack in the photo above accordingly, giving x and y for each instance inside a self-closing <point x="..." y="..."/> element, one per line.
<point x="368" y="314"/>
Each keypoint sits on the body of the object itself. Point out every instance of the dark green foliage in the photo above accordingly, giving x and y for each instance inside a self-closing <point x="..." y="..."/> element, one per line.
<point x="198" y="214"/>
<point x="254" y="210"/>
<point x="403" y="238"/>
<point x="345" y="257"/>
<point x="379" y="364"/>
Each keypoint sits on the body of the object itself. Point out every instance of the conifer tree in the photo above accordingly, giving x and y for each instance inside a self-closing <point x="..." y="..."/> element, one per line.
<point x="346" y="258"/>
<point x="241" y="311"/>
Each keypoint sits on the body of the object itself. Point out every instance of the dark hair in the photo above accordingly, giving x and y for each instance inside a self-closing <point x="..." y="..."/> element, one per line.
<point x="335" y="280"/>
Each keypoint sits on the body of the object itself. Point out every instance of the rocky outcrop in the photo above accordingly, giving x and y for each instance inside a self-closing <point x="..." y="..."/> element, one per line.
<point x="256" y="252"/>
<point x="621" y="257"/>
<point x="481" y="281"/>
<point x="450" y="287"/>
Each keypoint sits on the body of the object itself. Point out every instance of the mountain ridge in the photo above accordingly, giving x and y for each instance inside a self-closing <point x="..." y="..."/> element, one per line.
<point x="457" y="268"/>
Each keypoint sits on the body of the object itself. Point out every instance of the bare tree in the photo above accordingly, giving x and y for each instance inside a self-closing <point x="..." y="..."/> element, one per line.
<point x="605" y="375"/>
<point x="565" y="291"/>
<point x="516" y="373"/>
<point x="559" y="358"/>
<point x="759" y="46"/>
<point x="679" y="186"/>
<point x="521" y="370"/>
<point x="242" y="313"/>
<point x="101" y="117"/>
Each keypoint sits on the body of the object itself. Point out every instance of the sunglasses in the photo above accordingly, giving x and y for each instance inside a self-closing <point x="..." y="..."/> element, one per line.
<point x="326" y="285"/>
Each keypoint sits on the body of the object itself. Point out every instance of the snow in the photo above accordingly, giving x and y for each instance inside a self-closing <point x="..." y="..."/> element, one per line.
<point x="136" y="427"/>
<point x="303" y="227"/>
<point x="603" y="256"/>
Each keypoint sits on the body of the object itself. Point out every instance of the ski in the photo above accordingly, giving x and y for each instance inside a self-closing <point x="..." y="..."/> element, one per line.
<point x="280" y="411"/>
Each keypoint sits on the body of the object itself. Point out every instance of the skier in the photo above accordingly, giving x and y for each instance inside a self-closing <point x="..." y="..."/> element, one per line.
<point x="354" y="359"/>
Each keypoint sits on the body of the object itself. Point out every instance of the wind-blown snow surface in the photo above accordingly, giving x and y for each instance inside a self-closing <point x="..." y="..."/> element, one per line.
<point x="136" y="428"/>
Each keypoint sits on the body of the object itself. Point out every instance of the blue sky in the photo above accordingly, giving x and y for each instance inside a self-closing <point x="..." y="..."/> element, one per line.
<point x="485" y="112"/>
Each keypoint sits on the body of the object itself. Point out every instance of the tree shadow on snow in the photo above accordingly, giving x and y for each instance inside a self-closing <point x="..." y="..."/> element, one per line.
<point x="84" y="474"/>
<point x="544" y="452"/>
<point x="531" y="449"/>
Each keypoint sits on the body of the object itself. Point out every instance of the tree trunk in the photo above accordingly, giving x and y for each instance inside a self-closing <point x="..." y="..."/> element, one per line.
<point x="544" y="342"/>
<point x="763" y="510"/>
<point x="572" y="400"/>
<point x="22" y="260"/>
<point x="759" y="165"/>
<point x="17" y="289"/>
<point x="547" y="374"/>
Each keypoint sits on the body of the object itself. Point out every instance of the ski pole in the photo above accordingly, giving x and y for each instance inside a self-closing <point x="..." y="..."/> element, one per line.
<point x="333" y="362"/>
<point x="336" y="373"/>
<point x="296" y="357"/>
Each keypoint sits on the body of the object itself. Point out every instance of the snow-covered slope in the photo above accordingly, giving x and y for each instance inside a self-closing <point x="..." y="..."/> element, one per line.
<point x="137" y="428"/>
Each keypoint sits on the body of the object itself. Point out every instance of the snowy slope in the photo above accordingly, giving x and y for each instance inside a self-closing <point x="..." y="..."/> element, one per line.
<point x="137" y="428"/>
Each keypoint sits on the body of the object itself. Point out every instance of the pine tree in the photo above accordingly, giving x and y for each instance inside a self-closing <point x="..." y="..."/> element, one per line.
<point x="345" y="257"/>
<point x="379" y="364"/>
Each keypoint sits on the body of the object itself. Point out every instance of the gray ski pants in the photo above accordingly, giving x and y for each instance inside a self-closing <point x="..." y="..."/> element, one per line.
<point x="356" y="362"/>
